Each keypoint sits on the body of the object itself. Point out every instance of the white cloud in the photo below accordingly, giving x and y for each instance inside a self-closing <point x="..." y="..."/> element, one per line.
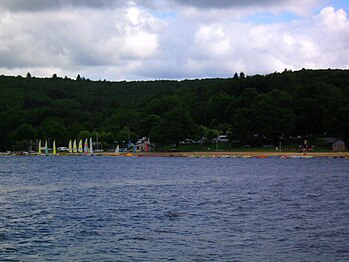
<point x="212" y="41"/>
<point x="72" y="39"/>
<point x="130" y="40"/>
<point x="222" y="48"/>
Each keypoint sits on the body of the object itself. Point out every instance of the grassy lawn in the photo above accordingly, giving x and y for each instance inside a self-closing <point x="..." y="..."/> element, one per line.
<point x="224" y="146"/>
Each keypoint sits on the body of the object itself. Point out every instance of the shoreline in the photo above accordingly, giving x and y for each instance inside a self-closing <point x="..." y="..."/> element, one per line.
<point x="244" y="154"/>
<point x="227" y="154"/>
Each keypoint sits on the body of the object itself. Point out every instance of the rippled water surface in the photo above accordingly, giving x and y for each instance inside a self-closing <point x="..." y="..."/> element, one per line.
<point x="179" y="209"/>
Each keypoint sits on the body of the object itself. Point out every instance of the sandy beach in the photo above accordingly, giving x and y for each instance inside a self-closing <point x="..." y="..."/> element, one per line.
<point x="242" y="154"/>
<point x="232" y="154"/>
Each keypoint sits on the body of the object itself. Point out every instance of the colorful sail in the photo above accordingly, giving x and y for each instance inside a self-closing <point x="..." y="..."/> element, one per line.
<point x="46" y="148"/>
<point x="74" y="147"/>
<point x="80" y="146"/>
<point x="91" y="148"/>
<point x="54" y="147"/>
<point x="70" y="148"/>
<point x="39" y="149"/>
<point x="85" y="147"/>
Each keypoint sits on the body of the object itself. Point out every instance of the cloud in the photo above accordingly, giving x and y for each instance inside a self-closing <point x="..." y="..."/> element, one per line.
<point x="234" y="3"/>
<point x="220" y="49"/>
<point x="332" y="33"/>
<point x="139" y="40"/>
<point x="44" y="5"/>
<point x="239" y="8"/>
<point x="66" y="39"/>
<point x="39" y="5"/>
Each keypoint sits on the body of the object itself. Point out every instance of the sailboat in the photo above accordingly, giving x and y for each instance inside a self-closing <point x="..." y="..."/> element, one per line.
<point x="46" y="148"/>
<point x="70" y="148"/>
<point x="85" y="147"/>
<point x="39" y="149"/>
<point x="74" y="147"/>
<point x="91" y="149"/>
<point x="54" y="148"/>
<point x="117" y="151"/>
<point x="80" y="146"/>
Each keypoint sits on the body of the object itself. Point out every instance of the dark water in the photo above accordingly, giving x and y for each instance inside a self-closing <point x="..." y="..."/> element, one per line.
<point x="173" y="209"/>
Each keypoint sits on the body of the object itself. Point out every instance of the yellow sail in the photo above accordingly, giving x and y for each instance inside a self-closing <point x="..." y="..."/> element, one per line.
<point x="70" y="148"/>
<point x="80" y="146"/>
<point x="54" y="147"/>
<point x="39" y="149"/>
<point x="74" y="147"/>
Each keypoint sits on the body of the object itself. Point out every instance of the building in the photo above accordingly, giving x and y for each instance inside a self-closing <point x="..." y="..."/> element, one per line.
<point x="144" y="146"/>
<point x="339" y="145"/>
<point x="222" y="138"/>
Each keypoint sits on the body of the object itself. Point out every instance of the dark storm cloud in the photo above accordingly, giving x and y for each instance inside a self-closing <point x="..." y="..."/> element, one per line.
<point x="229" y="3"/>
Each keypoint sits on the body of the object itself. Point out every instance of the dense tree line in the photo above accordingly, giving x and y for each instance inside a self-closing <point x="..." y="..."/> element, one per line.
<point x="255" y="110"/>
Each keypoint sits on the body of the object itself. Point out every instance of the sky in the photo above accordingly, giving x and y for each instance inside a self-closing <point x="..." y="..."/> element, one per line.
<point x="171" y="39"/>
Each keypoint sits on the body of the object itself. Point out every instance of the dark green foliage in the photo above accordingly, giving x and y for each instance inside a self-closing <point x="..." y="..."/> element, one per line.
<point x="249" y="109"/>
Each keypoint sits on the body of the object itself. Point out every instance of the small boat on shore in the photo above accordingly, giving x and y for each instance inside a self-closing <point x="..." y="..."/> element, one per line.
<point x="129" y="154"/>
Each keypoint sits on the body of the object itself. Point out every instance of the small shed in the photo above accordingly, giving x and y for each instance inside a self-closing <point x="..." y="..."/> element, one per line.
<point x="145" y="146"/>
<point x="339" y="145"/>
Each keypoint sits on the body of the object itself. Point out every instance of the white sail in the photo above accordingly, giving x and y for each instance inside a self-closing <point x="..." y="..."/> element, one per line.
<point x="117" y="149"/>
<point x="70" y="148"/>
<point x="91" y="147"/>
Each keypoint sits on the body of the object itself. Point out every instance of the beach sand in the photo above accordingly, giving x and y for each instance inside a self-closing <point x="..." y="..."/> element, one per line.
<point x="257" y="154"/>
<point x="244" y="154"/>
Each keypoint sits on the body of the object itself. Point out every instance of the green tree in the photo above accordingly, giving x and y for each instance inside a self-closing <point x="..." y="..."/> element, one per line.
<point x="247" y="97"/>
<point x="54" y="129"/>
<point x="147" y="123"/>
<point x="341" y="123"/>
<point x="243" y="126"/>
<point x="75" y="129"/>
<point x="209" y="133"/>
<point x="175" y="126"/>
<point x="25" y="132"/>
<point x="106" y="139"/>
<point x="84" y="134"/>
<point x="273" y="116"/>
<point x="125" y="136"/>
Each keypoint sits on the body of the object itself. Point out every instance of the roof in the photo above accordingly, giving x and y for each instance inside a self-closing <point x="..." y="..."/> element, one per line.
<point x="338" y="142"/>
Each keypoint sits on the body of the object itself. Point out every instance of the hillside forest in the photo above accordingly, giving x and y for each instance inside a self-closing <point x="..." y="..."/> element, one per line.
<point x="256" y="110"/>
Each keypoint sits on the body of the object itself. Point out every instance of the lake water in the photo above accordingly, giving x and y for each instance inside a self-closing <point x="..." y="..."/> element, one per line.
<point x="173" y="209"/>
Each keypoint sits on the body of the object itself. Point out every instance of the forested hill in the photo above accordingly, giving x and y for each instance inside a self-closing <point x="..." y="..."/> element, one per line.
<point x="254" y="109"/>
